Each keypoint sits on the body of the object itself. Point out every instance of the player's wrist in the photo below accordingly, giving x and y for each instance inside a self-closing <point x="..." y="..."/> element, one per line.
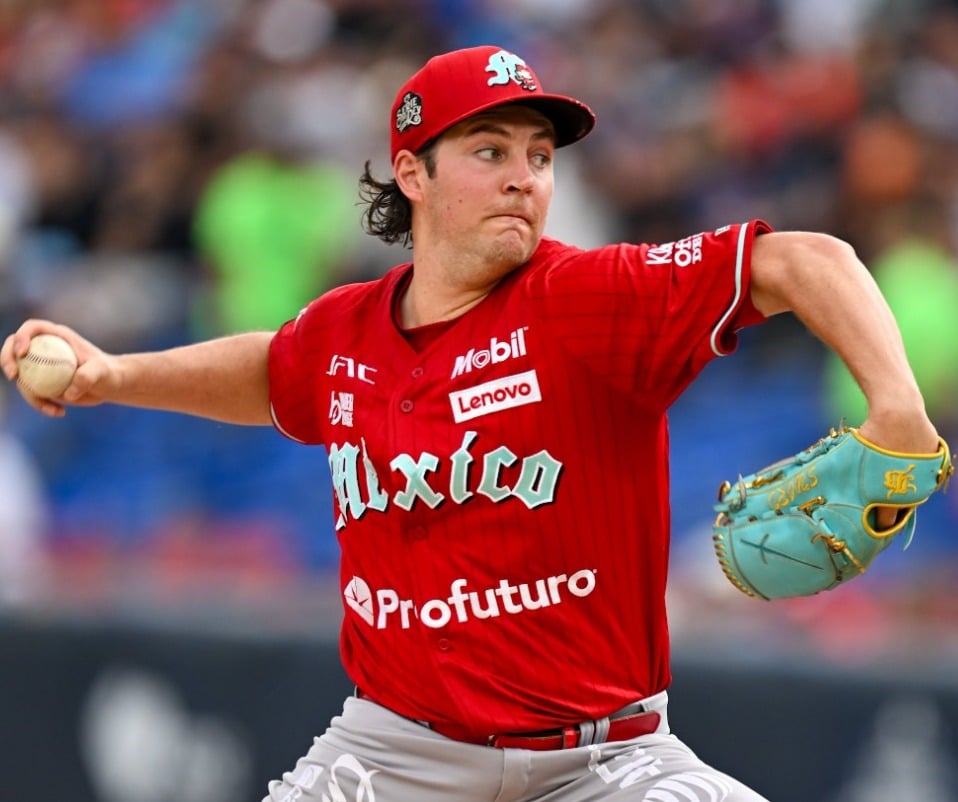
<point x="899" y="404"/>
<point x="905" y="429"/>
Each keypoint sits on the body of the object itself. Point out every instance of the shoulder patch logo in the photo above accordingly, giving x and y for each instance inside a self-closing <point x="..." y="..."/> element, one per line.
<point x="683" y="253"/>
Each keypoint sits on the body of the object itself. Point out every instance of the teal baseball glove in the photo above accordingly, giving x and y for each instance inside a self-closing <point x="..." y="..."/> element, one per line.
<point x="807" y="523"/>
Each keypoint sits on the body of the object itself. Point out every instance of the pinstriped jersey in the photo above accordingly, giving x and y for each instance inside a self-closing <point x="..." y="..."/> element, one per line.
<point x="501" y="493"/>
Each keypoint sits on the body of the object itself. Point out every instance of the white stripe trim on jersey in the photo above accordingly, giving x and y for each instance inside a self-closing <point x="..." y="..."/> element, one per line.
<point x="739" y="258"/>
<point x="279" y="426"/>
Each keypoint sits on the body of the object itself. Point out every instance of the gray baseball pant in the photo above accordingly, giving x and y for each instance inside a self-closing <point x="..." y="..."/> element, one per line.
<point x="370" y="754"/>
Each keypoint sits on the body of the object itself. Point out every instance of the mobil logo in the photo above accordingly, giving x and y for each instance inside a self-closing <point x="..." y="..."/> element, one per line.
<point x="495" y="396"/>
<point x="498" y="351"/>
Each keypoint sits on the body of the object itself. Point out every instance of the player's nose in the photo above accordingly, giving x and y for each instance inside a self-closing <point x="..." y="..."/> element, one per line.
<point x="520" y="176"/>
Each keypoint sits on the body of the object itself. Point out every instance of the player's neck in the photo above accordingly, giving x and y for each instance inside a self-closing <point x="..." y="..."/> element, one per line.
<point x="449" y="281"/>
<point x="424" y="302"/>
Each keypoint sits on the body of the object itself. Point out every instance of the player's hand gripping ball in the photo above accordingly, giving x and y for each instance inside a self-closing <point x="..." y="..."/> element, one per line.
<point x="807" y="523"/>
<point x="47" y="368"/>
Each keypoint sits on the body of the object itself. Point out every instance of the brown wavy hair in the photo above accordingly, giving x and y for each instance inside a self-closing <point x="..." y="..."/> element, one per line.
<point x="388" y="212"/>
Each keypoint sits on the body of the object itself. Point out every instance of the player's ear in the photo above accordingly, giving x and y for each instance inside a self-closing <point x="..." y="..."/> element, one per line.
<point x="409" y="172"/>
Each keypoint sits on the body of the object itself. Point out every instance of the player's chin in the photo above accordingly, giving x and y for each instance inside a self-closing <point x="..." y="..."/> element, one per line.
<point x="516" y="245"/>
<point x="503" y="261"/>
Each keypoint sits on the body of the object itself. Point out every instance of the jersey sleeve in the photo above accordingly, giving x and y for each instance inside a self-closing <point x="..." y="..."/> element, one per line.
<point x="648" y="318"/>
<point x="292" y="376"/>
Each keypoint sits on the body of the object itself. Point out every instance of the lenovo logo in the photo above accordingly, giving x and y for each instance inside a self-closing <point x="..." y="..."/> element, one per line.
<point x="495" y="396"/>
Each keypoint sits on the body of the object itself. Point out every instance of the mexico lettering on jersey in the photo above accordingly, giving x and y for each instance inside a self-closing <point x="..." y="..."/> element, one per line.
<point x="535" y="485"/>
<point x="486" y="486"/>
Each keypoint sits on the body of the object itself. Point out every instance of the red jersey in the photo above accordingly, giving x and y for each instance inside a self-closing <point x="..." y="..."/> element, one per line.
<point x="499" y="570"/>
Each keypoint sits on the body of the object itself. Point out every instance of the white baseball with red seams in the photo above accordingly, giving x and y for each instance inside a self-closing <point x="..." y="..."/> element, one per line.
<point x="47" y="368"/>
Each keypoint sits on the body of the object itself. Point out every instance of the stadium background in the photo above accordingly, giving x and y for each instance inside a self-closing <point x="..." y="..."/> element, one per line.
<point x="176" y="169"/>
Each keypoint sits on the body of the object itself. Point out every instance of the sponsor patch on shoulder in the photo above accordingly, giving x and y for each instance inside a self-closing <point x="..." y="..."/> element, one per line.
<point x="495" y="396"/>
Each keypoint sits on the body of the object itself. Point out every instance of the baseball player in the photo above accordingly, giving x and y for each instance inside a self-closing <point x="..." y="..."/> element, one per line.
<point x="494" y="414"/>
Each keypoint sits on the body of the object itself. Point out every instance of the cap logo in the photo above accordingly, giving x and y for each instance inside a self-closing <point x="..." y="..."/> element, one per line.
<point x="409" y="112"/>
<point x="506" y="66"/>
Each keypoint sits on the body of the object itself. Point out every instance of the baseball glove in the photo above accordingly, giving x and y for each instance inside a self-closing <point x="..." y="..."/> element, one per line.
<point x="807" y="523"/>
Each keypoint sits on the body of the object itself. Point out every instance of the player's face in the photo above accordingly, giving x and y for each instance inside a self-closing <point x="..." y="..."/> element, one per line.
<point x="490" y="193"/>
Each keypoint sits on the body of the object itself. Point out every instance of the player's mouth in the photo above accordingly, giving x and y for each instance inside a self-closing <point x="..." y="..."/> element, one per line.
<point x="514" y="216"/>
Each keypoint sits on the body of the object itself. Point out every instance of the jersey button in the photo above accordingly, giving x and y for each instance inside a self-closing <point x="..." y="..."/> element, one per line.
<point x="417" y="373"/>
<point x="444" y="645"/>
<point x="406" y="405"/>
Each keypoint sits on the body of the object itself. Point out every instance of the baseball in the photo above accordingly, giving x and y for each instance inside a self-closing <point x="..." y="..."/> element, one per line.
<point x="47" y="368"/>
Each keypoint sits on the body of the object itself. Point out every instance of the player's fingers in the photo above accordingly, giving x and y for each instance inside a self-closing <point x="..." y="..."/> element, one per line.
<point x="20" y="339"/>
<point x="46" y="406"/>
<point x="26" y="332"/>
<point x="79" y="388"/>
<point x="886" y="517"/>
<point x="90" y="377"/>
<point x="8" y="360"/>
<point x="51" y="408"/>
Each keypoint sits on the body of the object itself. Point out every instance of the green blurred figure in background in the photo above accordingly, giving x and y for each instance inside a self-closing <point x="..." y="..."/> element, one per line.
<point x="275" y="232"/>
<point x="919" y="277"/>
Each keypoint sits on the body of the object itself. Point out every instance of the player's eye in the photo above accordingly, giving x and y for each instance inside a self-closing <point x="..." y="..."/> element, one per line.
<point x="541" y="160"/>
<point x="489" y="152"/>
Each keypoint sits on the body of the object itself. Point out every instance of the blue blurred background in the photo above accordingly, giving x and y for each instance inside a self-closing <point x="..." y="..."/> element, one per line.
<point x="178" y="169"/>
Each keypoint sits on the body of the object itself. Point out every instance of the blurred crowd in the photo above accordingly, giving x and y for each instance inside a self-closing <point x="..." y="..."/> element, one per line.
<point x="177" y="169"/>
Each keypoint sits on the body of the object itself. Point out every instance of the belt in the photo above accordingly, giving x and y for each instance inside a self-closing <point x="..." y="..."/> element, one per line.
<point x="630" y="722"/>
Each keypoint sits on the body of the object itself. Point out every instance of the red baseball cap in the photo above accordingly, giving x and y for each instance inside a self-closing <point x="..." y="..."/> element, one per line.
<point x="454" y="86"/>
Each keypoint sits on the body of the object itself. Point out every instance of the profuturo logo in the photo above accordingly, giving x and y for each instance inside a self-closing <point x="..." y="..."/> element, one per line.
<point x="360" y="598"/>
<point x="385" y="607"/>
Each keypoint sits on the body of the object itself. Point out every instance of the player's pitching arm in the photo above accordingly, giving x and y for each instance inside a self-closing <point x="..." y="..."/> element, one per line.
<point x="224" y="379"/>
<point x="821" y="280"/>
